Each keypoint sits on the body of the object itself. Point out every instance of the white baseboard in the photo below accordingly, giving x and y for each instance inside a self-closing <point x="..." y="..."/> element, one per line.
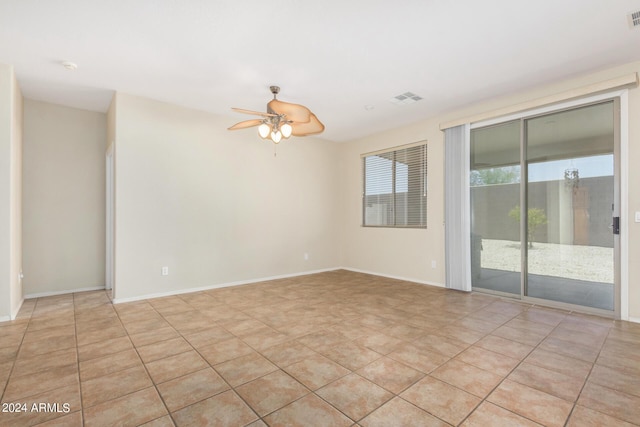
<point x="5" y="318"/>
<point x="389" y="276"/>
<point x="634" y="319"/>
<point x="66" y="291"/>
<point x="217" y="286"/>
<point x="15" y="312"/>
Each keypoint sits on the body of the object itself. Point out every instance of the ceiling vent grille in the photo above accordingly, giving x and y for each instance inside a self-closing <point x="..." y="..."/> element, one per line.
<point x="634" y="19"/>
<point x="405" y="98"/>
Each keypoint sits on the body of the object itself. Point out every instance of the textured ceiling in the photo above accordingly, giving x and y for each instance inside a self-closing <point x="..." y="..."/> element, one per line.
<point x="336" y="57"/>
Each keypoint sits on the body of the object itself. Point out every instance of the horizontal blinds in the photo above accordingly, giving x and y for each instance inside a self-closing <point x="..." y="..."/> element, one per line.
<point x="395" y="188"/>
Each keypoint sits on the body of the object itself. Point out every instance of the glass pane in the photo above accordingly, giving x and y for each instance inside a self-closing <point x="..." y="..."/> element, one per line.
<point x="411" y="196"/>
<point x="495" y="197"/>
<point x="378" y="191"/>
<point x="570" y="195"/>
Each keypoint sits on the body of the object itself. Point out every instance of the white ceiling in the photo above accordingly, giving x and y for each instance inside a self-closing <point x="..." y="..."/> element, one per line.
<point x="333" y="56"/>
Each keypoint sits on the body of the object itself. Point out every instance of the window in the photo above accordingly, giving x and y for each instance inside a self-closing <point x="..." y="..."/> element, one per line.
<point x="395" y="188"/>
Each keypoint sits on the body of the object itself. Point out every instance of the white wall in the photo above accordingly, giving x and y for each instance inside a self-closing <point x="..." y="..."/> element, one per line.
<point x="216" y="206"/>
<point x="64" y="198"/>
<point x="10" y="193"/>
<point x="408" y="253"/>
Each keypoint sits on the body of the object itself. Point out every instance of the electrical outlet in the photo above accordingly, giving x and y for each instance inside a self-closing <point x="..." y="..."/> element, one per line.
<point x="306" y="256"/>
<point x="433" y="263"/>
<point x="637" y="218"/>
<point x="165" y="271"/>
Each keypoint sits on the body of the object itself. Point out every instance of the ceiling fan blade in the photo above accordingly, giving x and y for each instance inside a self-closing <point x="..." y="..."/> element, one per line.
<point x="312" y="127"/>
<point x="257" y="113"/>
<point x="294" y="112"/>
<point x="246" y="124"/>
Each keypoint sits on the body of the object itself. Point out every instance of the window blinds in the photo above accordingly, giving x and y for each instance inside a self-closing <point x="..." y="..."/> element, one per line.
<point x="395" y="188"/>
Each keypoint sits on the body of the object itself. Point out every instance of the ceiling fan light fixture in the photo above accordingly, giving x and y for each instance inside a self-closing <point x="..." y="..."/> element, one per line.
<point x="276" y="136"/>
<point x="286" y="130"/>
<point x="264" y="130"/>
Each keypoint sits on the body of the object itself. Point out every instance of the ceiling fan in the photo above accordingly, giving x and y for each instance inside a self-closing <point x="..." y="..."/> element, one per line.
<point x="281" y="120"/>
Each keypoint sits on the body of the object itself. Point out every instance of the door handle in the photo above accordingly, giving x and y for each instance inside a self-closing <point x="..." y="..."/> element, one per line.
<point x="616" y="225"/>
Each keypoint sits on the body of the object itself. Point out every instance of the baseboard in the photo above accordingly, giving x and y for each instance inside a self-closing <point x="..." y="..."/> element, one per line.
<point x="217" y="286"/>
<point x="15" y="312"/>
<point x="389" y="276"/>
<point x="634" y="319"/>
<point x="5" y="318"/>
<point x="66" y="291"/>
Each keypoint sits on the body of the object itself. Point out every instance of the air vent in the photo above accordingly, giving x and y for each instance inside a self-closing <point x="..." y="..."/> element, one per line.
<point x="634" y="19"/>
<point x="405" y="98"/>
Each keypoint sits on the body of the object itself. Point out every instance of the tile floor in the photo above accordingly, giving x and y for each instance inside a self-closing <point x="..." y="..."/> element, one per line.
<point x="330" y="349"/>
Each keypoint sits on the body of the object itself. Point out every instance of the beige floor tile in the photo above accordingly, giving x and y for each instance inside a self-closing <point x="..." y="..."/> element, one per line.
<point x="566" y="348"/>
<point x="616" y="379"/>
<point x="504" y="346"/>
<point x="467" y="377"/>
<point x="162" y="349"/>
<point x="53" y="360"/>
<point x="265" y="339"/>
<point x="491" y="415"/>
<point x="316" y="371"/>
<point x="446" y="346"/>
<point x="442" y="400"/>
<point x="585" y="417"/>
<point x="418" y="358"/>
<point x="551" y="382"/>
<point x="154" y="336"/>
<point x="532" y="338"/>
<point x="308" y="411"/>
<point x="114" y="385"/>
<point x="350" y="355"/>
<point x="288" y="353"/>
<point x="488" y="360"/>
<point x="60" y="398"/>
<point x="611" y="402"/>
<point x="354" y="396"/>
<point x="73" y="419"/>
<point x="104" y="348"/>
<point x="530" y="403"/>
<point x="559" y="363"/>
<point x="105" y="365"/>
<point x="133" y="409"/>
<point x="399" y="412"/>
<point x="209" y="336"/>
<point x="271" y="392"/>
<point x="379" y="342"/>
<point x="165" y="421"/>
<point x="245" y="368"/>
<point x="191" y="388"/>
<point x="225" y="350"/>
<point x="222" y="410"/>
<point x="390" y="374"/>
<point x="19" y="387"/>
<point x="171" y="367"/>
<point x="322" y="339"/>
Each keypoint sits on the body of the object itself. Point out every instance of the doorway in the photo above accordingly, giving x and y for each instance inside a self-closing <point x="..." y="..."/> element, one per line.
<point x="545" y="207"/>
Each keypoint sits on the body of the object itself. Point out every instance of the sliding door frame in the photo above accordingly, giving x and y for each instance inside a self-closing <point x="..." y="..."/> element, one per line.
<point x="621" y="142"/>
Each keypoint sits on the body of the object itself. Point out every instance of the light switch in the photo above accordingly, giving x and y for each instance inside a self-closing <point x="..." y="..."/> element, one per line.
<point x="637" y="216"/>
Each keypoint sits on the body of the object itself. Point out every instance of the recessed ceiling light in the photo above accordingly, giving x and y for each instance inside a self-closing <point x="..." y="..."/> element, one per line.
<point x="71" y="66"/>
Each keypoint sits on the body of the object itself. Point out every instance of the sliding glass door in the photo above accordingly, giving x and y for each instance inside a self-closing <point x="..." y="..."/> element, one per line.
<point x="544" y="197"/>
